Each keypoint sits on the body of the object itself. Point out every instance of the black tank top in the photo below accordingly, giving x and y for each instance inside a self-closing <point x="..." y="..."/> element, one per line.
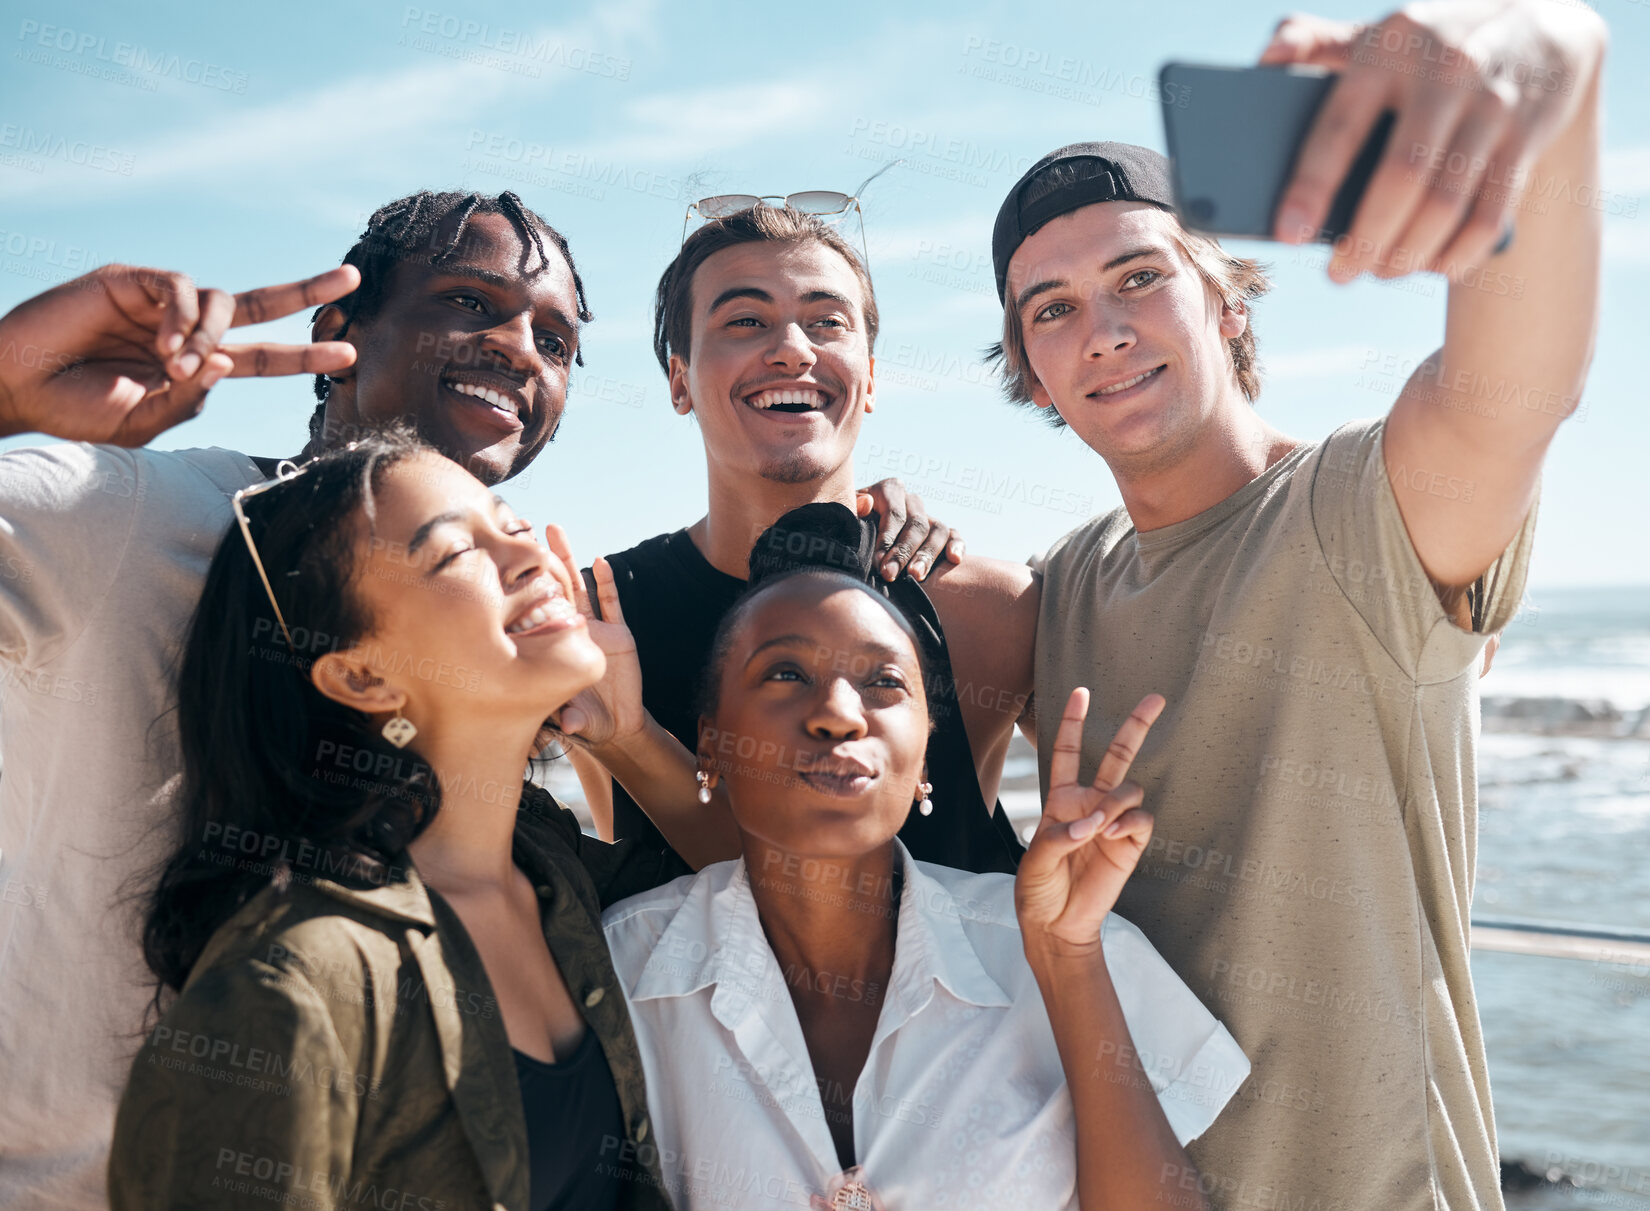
<point x="573" y="1116"/>
<point x="673" y="601"/>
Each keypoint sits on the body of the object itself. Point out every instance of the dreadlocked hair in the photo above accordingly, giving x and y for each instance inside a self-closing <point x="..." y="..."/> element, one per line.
<point x="410" y="229"/>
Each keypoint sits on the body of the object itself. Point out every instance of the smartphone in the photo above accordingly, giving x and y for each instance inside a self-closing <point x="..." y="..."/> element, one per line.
<point x="1234" y="134"/>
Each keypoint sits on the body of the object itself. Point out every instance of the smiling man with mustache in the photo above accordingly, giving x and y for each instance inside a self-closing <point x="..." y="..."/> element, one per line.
<point x="766" y="324"/>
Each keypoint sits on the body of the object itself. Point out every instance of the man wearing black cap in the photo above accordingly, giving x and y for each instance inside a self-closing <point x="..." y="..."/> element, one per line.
<point x="1316" y="613"/>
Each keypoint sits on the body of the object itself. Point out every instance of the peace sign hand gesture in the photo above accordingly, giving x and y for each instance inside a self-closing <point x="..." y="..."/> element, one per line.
<point x="1089" y="839"/>
<point x="123" y="354"/>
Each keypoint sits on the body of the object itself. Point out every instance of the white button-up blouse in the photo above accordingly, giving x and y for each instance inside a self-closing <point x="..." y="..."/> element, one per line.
<point x="962" y="1102"/>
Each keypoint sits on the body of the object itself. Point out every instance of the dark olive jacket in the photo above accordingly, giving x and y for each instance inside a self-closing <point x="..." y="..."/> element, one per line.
<point x="339" y="1046"/>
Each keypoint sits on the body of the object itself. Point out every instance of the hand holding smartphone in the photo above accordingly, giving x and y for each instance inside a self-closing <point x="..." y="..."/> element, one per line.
<point x="1234" y="135"/>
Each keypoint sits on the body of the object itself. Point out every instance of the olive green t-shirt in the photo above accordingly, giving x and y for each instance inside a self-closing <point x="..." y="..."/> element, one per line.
<point x="1315" y="787"/>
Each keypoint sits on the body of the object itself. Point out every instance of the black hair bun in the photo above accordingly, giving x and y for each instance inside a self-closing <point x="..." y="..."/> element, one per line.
<point x="824" y="535"/>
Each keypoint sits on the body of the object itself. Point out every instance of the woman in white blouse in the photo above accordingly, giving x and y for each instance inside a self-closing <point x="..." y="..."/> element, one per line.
<point x="826" y="1021"/>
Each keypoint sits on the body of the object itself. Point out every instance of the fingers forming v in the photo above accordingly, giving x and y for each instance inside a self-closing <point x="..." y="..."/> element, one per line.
<point x="272" y="302"/>
<point x="1125" y="745"/>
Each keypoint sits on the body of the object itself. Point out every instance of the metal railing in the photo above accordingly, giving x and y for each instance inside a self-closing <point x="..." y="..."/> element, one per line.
<point x="1597" y="943"/>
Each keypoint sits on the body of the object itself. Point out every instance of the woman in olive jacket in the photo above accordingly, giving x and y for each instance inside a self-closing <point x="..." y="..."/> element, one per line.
<point x="391" y="984"/>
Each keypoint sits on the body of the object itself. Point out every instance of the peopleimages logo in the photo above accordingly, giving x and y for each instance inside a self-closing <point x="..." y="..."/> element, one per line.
<point x="915" y="141"/>
<point x="1059" y="75"/>
<point x="129" y="55"/>
<point x="25" y="140"/>
<point x="509" y="43"/>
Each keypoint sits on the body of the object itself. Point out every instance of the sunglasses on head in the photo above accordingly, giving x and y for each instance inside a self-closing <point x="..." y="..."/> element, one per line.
<point x="285" y="472"/>
<point x="820" y="202"/>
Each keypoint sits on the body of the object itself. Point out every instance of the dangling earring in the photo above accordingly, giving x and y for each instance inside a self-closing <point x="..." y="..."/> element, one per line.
<point x="703" y="779"/>
<point x="926" y="806"/>
<point x="399" y="731"/>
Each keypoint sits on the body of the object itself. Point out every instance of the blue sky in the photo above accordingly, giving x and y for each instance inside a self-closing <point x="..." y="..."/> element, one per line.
<point x="248" y="144"/>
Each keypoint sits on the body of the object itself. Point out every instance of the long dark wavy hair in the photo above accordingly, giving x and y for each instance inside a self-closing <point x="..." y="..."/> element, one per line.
<point x="281" y="783"/>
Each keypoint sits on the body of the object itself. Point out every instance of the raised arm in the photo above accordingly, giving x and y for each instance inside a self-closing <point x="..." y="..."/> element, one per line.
<point x="988" y="608"/>
<point x="1497" y="127"/>
<point x="1084" y="850"/>
<point x="616" y="736"/>
<point x="597" y="784"/>
<point x="122" y="354"/>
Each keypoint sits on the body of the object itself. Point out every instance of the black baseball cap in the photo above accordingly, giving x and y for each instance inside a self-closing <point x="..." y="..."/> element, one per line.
<point x="1072" y="177"/>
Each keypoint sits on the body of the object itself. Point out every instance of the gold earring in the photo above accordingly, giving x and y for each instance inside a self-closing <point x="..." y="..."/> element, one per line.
<point x="399" y="731"/>
<point x="926" y="806"/>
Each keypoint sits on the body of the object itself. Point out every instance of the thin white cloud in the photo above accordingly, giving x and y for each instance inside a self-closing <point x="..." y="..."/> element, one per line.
<point x="363" y="125"/>
<point x="1626" y="242"/>
<point x="682" y="127"/>
<point x="1626" y="170"/>
<point x="1625" y="173"/>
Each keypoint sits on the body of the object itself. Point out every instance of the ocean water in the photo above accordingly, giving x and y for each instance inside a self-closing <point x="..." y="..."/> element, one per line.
<point x="1564" y="836"/>
<point x="1580" y="644"/>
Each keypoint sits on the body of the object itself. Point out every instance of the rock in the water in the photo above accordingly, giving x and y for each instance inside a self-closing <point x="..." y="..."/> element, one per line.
<point x="1554" y="716"/>
<point x="1518" y="1175"/>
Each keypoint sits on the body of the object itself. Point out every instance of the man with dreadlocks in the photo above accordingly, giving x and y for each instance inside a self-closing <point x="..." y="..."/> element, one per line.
<point x="464" y="324"/>
<point x="458" y="313"/>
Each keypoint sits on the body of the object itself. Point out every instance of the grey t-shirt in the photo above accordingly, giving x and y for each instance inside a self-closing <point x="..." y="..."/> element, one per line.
<point x="1314" y="782"/>
<point x="103" y="552"/>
